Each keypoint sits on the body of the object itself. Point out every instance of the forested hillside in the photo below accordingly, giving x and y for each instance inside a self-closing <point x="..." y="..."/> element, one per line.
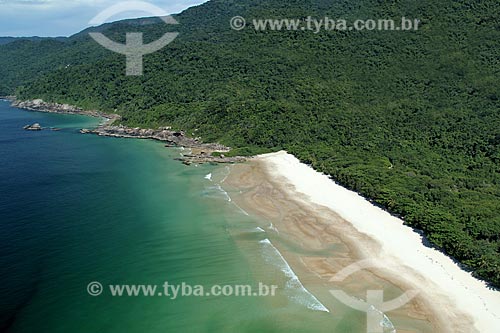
<point x="410" y="119"/>
<point x="7" y="40"/>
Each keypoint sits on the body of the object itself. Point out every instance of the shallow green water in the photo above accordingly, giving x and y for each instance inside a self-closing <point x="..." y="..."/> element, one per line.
<point x="80" y="208"/>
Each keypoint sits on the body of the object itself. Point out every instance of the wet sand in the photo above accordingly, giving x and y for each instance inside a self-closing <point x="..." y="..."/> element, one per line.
<point x="318" y="243"/>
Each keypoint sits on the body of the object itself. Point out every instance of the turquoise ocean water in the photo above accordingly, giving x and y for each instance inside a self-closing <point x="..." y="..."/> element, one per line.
<point x="81" y="208"/>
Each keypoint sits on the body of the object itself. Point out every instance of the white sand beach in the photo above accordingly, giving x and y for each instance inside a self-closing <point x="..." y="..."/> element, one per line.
<point x="401" y="251"/>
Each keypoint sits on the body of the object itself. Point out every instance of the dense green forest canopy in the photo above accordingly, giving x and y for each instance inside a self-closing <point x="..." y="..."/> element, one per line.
<point x="410" y="120"/>
<point x="7" y="40"/>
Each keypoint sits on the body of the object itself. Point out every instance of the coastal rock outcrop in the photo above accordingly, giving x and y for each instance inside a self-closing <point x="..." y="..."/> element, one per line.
<point x="189" y="159"/>
<point x="34" y="127"/>
<point x="173" y="138"/>
<point x="40" y="105"/>
<point x="199" y="152"/>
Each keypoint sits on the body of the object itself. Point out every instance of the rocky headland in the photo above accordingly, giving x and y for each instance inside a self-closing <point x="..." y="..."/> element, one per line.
<point x="40" y="105"/>
<point x="198" y="151"/>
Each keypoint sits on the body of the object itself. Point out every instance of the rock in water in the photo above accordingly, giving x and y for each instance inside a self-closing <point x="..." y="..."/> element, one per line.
<point x="34" y="127"/>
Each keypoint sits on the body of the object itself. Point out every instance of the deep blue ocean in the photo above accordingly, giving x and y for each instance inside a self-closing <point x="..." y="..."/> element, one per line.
<point x="81" y="208"/>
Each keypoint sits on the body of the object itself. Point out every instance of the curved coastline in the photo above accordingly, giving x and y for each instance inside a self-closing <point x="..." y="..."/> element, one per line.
<point x="199" y="153"/>
<point x="445" y="283"/>
<point x="450" y="290"/>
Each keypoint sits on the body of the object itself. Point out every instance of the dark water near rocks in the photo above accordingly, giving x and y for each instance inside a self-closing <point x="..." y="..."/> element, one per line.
<point x="80" y="208"/>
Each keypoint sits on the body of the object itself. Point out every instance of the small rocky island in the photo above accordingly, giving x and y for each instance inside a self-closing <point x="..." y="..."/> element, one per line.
<point x="34" y="127"/>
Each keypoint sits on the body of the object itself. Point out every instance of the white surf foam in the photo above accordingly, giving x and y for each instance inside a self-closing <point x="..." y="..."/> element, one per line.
<point x="401" y="246"/>
<point x="273" y="228"/>
<point x="226" y="195"/>
<point x="305" y="297"/>
<point x="228" y="172"/>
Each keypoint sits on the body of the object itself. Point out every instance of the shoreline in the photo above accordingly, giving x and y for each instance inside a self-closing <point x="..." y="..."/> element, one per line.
<point x="396" y="246"/>
<point x="40" y="106"/>
<point x="200" y="152"/>
<point x="450" y="297"/>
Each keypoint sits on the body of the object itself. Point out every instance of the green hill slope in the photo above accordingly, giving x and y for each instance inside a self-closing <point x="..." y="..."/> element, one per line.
<point x="408" y="119"/>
